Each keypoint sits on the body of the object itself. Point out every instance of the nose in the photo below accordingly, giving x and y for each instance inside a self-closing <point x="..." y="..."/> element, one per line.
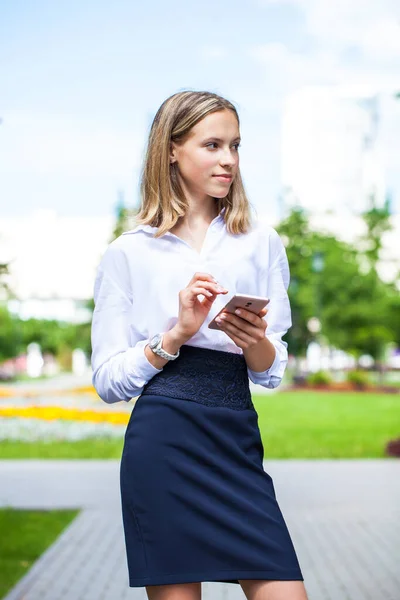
<point x="228" y="158"/>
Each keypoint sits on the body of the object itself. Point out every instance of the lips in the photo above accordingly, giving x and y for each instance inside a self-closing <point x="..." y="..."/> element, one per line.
<point x="223" y="176"/>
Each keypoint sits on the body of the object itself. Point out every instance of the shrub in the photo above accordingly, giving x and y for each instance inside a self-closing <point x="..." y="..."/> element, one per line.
<point x="359" y="378"/>
<point x="319" y="378"/>
<point x="393" y="448"/>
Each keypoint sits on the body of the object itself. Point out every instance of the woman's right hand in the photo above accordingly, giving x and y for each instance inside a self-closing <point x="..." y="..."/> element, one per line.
<point x="192" y="311"/>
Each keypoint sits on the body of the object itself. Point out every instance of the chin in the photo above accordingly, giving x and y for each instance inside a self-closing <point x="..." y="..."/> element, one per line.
<point x="219" y="193"/>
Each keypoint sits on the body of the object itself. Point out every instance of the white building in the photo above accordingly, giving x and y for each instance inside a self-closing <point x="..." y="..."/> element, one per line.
<point x="340" y="146"/>
<point x="52" y="262"/>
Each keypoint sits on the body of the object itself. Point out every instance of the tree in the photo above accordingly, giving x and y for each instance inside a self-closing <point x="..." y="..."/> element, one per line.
<point x="352" y="305"/>
<point x="5" y="290"/>
<point x="9" y="342"/>
<point x="378" y="222"/>
<point x="355" y="303"/>
<point x="299" y="247"/>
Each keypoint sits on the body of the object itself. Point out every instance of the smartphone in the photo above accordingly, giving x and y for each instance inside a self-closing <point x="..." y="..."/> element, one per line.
<point x="252" y="303"/>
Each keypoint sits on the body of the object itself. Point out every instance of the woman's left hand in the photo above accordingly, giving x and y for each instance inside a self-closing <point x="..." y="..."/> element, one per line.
<point x="245" y="329"/>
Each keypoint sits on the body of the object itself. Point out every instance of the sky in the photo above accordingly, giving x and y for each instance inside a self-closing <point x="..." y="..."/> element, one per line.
<point x="80" y="82"/>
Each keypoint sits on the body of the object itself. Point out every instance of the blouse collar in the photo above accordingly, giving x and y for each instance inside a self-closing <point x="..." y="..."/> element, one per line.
<point x="151" y="229"/>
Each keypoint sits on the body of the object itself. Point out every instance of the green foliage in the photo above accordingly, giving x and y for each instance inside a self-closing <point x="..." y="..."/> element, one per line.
<point x="377" y="221"/>
<point x="356" y="309"/>
<point x="295" y="231"/>
<point x="359" y="378"/>
<point x="356" y="306"/>
<point x="10" y="344"/>
<point x="50" y="334"/>
<point x="393" y="312"/>
<point x="5" y="290"/>
<point x="319" y="378"/>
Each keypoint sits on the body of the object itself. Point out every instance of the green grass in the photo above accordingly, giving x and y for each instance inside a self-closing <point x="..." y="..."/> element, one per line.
<point x="301" y="424"/>
<point x="25" y="535"/>
<point x="98" y="448"/>
<point x="313" y="424"/>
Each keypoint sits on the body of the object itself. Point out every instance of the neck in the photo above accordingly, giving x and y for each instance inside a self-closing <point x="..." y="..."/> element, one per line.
<point x="200" y="213"/>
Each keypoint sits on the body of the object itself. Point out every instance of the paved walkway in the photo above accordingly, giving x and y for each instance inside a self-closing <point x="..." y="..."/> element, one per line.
<point x="343" y="515"/>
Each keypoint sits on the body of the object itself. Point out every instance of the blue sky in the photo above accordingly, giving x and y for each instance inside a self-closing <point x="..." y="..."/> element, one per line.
<point x="81" y="81"/>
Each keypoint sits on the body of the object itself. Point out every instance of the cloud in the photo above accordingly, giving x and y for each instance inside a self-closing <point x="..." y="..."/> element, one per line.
<point x="347" y="43"/>
<point x="371" y="25"/>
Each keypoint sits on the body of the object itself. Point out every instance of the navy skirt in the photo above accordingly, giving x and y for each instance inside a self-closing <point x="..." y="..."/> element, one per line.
<point x="197" y="504"/>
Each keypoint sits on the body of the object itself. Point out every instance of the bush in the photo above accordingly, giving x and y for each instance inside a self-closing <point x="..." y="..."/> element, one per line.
<point x="359" y="378"/>
<point x="319" y="378"/>
<point x="300" y="380"/>
<point x="393" y="448"/>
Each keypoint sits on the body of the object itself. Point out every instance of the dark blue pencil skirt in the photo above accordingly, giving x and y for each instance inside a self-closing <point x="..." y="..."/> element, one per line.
<point x="197" y="504"/>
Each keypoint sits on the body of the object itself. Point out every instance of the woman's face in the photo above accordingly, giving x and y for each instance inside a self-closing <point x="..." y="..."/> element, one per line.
<point x="211" y="149"/>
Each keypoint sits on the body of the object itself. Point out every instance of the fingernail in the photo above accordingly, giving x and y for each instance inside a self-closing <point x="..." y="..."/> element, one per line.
<point x="237" y="311"/>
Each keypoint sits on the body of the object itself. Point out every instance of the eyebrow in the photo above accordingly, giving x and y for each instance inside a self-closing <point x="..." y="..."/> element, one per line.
<point x="237" y="139"/>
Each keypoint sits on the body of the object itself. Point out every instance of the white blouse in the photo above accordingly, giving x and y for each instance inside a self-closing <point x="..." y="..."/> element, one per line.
<point x="136" y="296"/>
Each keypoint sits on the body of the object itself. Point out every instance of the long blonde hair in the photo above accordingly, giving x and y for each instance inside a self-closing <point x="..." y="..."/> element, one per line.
<point x="163" y="200"/>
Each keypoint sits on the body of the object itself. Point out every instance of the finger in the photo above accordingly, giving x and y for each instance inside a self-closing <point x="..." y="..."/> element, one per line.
<point x="247" y="315"/>
<point x="200" y="276"/>
<point x="195" y="291"/>
<point x="215" y="288"/>
<point x="243" y="325"/>
<point x="208" y="280"/>
<point x="239" y="334"/>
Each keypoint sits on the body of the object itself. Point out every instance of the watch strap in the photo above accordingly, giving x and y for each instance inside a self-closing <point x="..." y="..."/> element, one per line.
<point x="163" y="353"/>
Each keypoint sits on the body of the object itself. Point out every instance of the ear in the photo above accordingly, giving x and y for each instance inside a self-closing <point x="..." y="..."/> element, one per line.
<point x="172" y="152"/>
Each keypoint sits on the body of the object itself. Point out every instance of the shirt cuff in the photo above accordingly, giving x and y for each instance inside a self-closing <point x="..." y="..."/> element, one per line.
<point x="271" y="377"/>
<point x="142" y="368"/>
<point x="124" y="376"/>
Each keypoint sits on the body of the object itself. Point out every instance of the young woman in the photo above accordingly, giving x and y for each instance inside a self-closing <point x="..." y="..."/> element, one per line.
<point x="197" y="504"/>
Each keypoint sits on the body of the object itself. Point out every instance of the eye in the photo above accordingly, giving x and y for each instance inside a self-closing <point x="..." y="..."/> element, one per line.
<point x="215" y="144"/>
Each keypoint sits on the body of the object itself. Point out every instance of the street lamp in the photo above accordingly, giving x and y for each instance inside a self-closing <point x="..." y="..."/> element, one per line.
<point x="318" y="262"/>
<point x="317" y="266"/>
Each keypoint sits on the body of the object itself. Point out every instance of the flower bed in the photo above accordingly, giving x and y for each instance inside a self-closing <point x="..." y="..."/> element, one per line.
<point x="53" y="413"/>
<point x="47" y="423"/>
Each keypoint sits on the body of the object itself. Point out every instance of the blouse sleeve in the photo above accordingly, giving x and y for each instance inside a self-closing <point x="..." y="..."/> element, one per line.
<point x="275" y="283"/>
<point x="119" y="370"/>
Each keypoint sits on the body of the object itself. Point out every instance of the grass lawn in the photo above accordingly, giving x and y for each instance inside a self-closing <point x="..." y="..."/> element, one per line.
<point x="313" y="424"/>
<point x="99" y="448"/>
<point x="25" y="535"/>
<point x="301" y="424"/>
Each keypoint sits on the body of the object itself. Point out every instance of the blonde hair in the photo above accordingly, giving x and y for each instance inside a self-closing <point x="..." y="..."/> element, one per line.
<point x="163" y="200"/>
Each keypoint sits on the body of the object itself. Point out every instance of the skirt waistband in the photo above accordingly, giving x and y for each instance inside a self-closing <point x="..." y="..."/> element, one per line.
<point x="203" y="375"/>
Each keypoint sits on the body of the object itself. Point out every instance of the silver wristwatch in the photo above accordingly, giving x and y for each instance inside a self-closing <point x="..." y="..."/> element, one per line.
<point x="155" y="344"/>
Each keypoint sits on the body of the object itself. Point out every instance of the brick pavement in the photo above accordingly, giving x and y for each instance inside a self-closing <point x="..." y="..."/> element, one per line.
<point x="343" y="517"/>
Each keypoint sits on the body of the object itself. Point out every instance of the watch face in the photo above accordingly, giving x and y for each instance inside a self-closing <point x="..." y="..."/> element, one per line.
<point x="154" y="340"/>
